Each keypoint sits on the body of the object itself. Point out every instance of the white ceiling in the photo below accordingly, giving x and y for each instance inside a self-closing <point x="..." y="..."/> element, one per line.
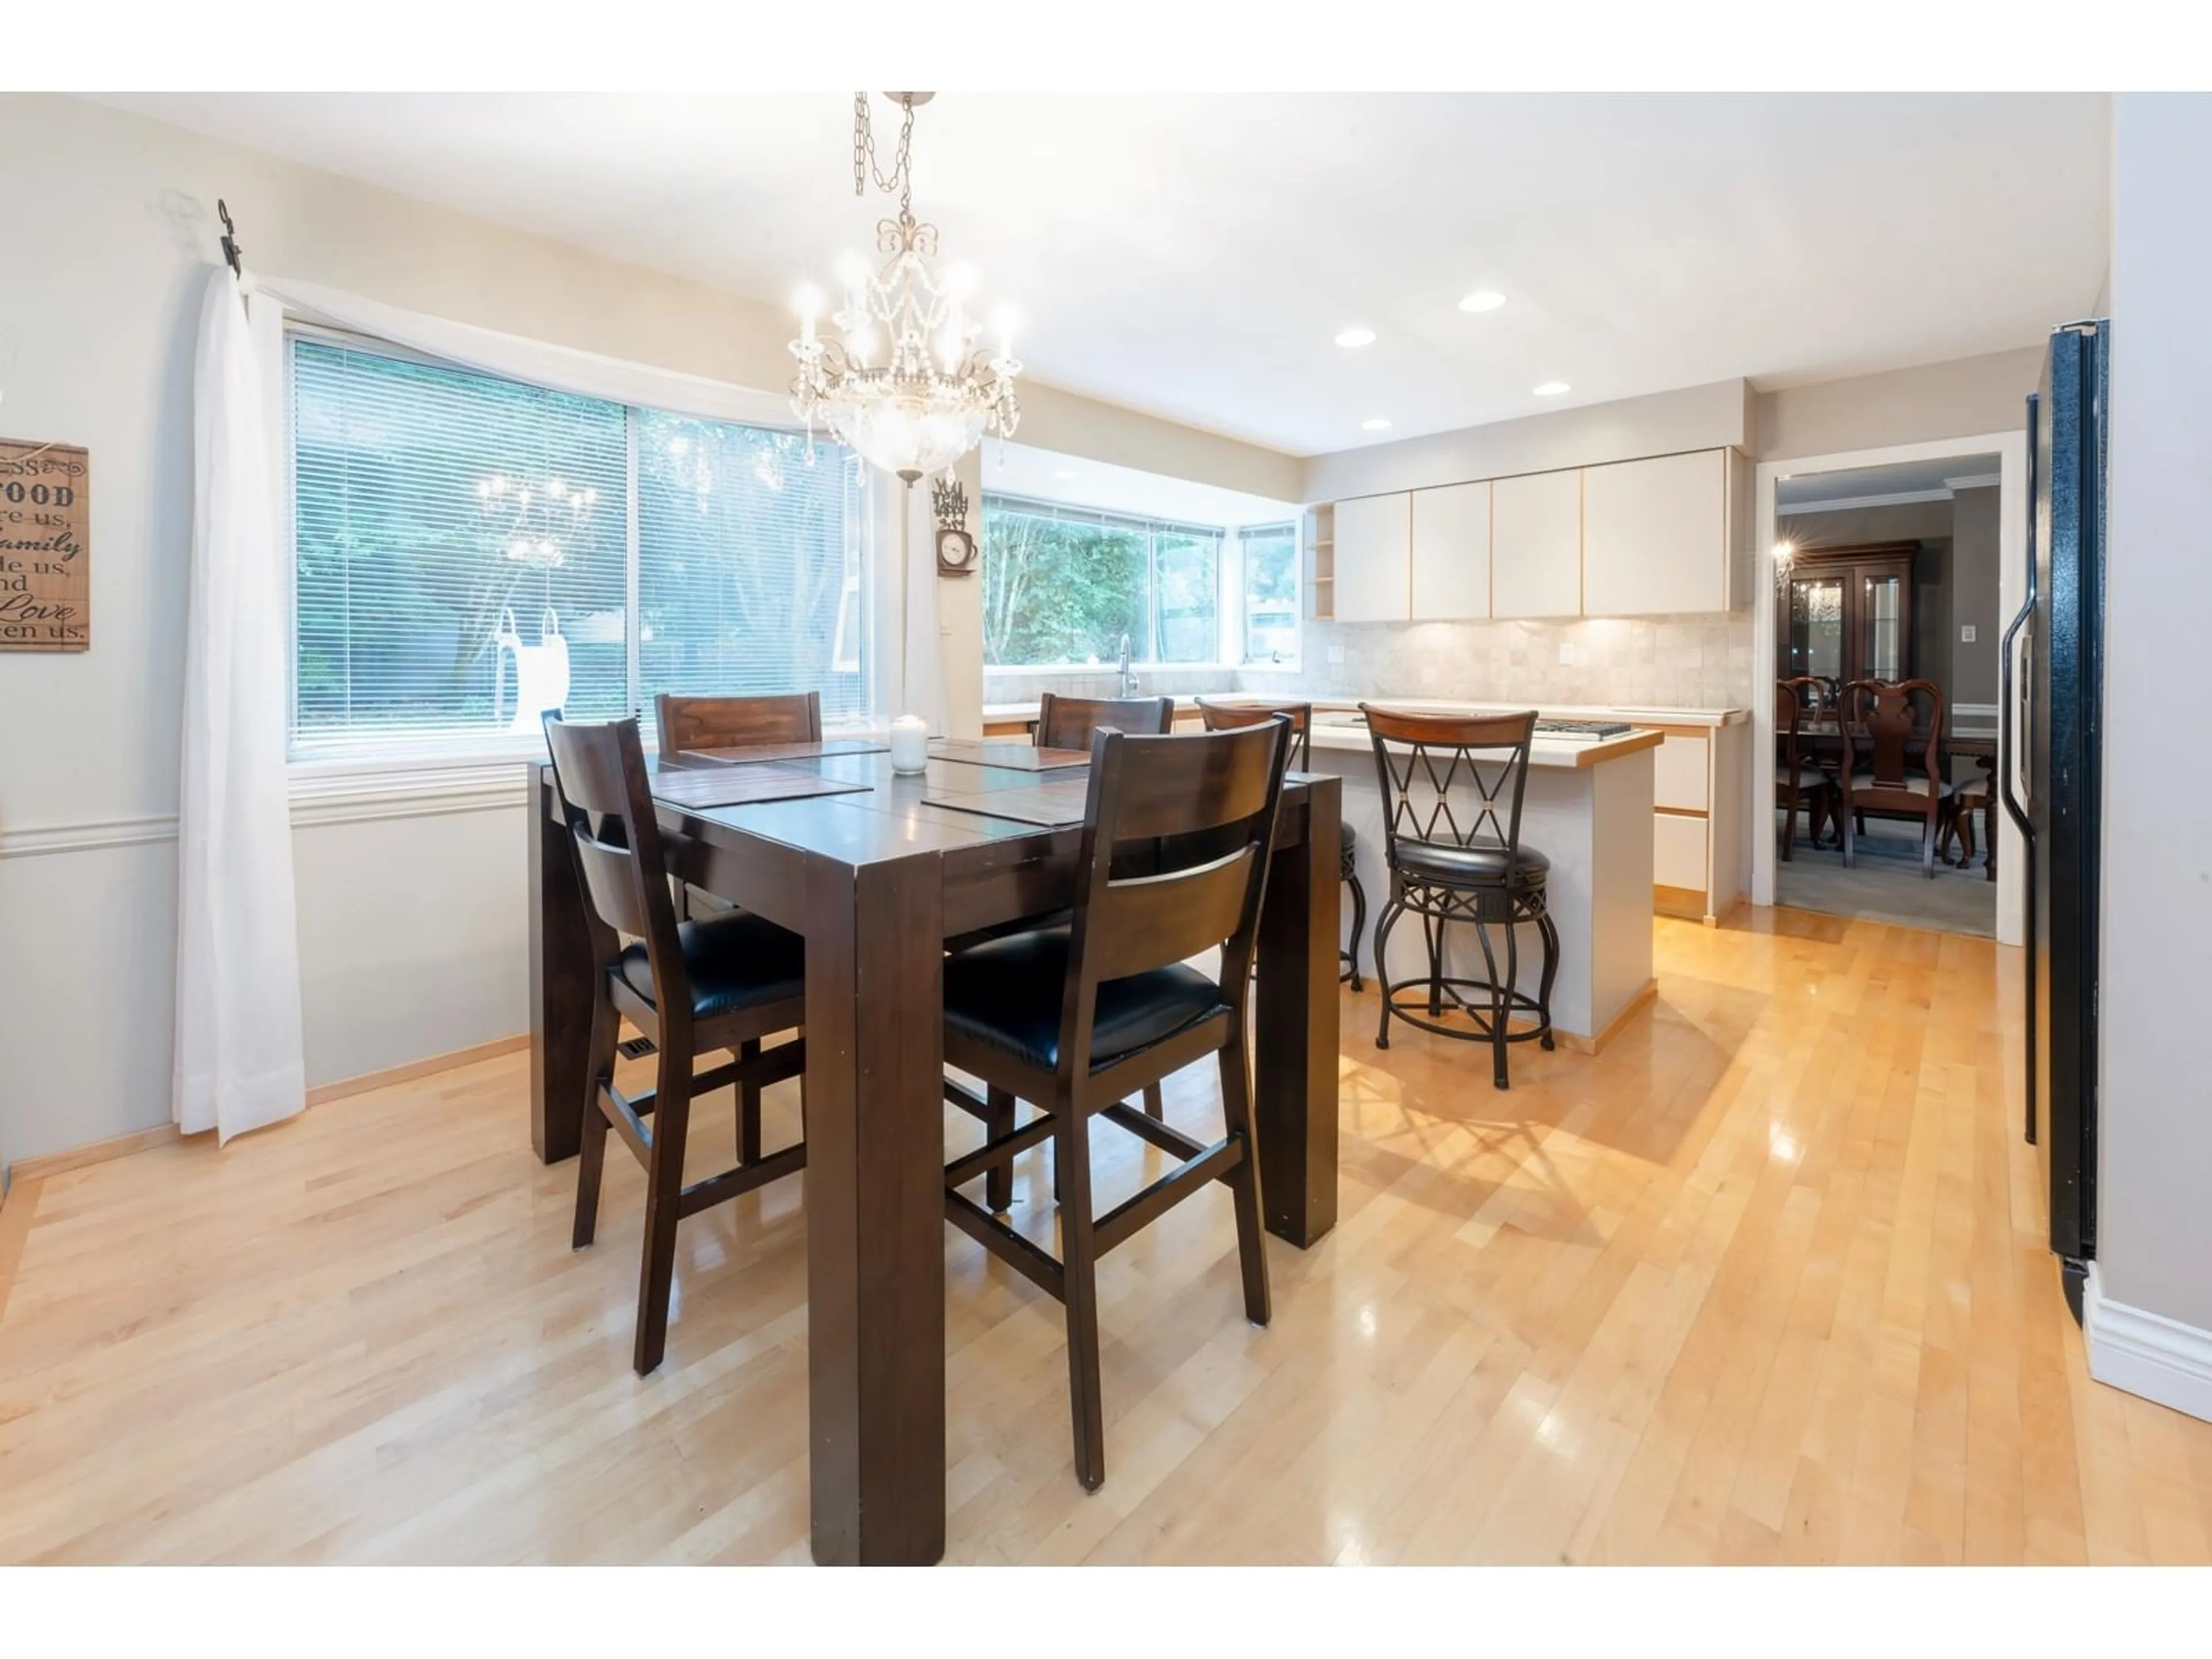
<point x="1896" y="483"/>
<point x="1193" y="255"/>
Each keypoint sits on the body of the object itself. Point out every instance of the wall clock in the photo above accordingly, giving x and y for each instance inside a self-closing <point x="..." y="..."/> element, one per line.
<point x="956" y="548"/>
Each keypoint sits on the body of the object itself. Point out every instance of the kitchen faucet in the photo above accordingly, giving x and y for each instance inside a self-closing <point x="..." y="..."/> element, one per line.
<point x="1129" y="674"/>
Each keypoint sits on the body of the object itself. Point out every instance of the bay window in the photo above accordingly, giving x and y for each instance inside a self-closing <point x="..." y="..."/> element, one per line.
<point x="469" y="550"/>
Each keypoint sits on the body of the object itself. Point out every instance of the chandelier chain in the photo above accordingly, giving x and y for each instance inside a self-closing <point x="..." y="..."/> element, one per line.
<point x="900" y="178"/>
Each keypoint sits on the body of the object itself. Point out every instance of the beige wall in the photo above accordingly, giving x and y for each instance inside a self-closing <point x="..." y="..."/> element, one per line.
<point x="1716" y="416"/>
<point x="1974" y="574"/>
<point x="412" y="928"/>
<point x="1962" y="398"/>
<point x="2154" y="1199"/>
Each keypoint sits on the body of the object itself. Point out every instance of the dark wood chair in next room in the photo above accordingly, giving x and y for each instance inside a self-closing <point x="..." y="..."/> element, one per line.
<point x="1799" y="782"/>
<point x="1433" y="771"/>
<point x="1223" y="716"/>
<point x="1893" y="762"/>
<point x="1074" y="1019"/>
<point x="690" y="988"/>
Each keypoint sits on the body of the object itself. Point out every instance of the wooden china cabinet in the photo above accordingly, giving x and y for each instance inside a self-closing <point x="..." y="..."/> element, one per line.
<point x="1845" y="613"/>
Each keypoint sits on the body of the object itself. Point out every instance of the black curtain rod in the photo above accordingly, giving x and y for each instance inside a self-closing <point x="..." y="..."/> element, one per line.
<point x="230" y="248"/>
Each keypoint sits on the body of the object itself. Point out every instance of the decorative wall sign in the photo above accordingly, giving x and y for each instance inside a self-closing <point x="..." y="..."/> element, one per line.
<point x="956" y="548"/>
<point x="46" y="548"/>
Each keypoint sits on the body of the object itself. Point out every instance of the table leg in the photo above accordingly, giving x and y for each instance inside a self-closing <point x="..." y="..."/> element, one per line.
<point x="561" y="989"/>
<point x="875" y="1210"/>
<point x="1295" y="1029"/>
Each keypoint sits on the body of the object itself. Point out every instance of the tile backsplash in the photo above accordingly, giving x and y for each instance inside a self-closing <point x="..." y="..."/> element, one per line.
<point x="1701" y="662"/>
<point x="1023" y="685"/>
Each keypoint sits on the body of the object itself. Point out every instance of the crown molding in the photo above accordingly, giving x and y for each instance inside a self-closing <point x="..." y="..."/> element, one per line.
<point x="1846" y="503"/>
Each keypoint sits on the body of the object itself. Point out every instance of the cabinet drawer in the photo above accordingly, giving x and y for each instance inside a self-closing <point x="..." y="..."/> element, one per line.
<point x="1678" y="851"/>
<point x="1677" y="773"/>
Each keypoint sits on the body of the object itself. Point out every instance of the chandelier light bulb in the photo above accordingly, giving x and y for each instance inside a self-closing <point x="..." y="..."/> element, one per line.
<point x="895" y="374"/>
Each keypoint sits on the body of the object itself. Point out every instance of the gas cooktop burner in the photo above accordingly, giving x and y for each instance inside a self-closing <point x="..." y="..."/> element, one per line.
<point x="1593" y="730"/>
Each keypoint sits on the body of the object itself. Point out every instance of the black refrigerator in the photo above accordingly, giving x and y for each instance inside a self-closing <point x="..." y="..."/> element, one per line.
<point x="2051" y="759"/>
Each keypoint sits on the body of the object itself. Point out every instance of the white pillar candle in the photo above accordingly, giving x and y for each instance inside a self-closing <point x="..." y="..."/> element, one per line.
<point x="910" y="743"/>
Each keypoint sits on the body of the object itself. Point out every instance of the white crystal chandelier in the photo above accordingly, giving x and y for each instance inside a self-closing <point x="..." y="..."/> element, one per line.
<point x="906" y="387"/>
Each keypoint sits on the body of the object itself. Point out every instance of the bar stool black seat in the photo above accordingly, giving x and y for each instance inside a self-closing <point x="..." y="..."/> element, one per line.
<point x="1435" y="770"/>
<point x="1224" y="717"/>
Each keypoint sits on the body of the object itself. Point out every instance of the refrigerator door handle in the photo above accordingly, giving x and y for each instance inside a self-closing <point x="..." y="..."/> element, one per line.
<point x="2011" y="730"/>
<point x="2007" y="718"/>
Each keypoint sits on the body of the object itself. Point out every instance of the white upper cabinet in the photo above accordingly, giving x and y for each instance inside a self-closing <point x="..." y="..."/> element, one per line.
<point x="1656" y="536"/>
<point x="1451" y="553"/>
<point x="1374" y="552"/>
<point x="1536" y="545"/>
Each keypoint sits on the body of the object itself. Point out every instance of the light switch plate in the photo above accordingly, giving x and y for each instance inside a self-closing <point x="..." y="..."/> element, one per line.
<point x="1966" y="633"/>
<point x="1336" y="654"/>
<point x="1566" y="654"/>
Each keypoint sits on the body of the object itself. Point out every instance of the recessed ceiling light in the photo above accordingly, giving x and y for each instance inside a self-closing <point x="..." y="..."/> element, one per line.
<point x="1375" y="423"/>
<point x="1483" y="299"/>
<point x="1356" y="336"/>
<point x="1554" y="389"/>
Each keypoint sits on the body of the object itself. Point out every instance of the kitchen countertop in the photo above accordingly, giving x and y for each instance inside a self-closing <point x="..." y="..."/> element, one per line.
<point x="1633" y="715"/>
<point x="1577" y="753"/>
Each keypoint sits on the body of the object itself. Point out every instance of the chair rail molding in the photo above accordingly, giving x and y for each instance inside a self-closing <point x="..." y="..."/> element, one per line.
<point x="318" y="797"/>
<point x="2146" y="1353"/>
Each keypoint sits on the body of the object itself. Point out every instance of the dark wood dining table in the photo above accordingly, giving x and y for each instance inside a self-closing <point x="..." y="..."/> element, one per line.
<point x="876" y="880"/>
<point x="1972" y="740"/>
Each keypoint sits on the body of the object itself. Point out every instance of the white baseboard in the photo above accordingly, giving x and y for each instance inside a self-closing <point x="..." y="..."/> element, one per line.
<point x="2146" y="1353"/>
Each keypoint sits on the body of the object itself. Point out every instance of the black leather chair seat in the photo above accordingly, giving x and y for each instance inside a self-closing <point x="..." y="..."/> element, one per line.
<point x="1007" y="994"/>
<point x="736" y="960"/>
<point x="1471" y="866"/>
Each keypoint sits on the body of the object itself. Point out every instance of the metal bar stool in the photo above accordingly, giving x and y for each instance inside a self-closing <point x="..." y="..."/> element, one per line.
<point x="1221" y="717"/>
<point x="1433" y="771"/>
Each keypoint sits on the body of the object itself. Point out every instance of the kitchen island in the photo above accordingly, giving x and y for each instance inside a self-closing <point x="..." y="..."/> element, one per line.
<point x="1702" y="817"/>
<point x="1588" y="808"/>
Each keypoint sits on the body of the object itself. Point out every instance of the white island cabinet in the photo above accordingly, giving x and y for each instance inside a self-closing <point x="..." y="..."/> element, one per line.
<point x="1587" y="809"/>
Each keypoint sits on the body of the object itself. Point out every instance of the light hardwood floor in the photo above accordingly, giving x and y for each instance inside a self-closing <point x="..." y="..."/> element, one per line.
<point x="1763" y="1282"/>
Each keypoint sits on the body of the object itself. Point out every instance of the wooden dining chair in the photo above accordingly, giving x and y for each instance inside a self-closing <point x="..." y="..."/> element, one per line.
<point x="1074" y="1019"/>
<point x="690" y="988"/>
<point x="1800" y="783"/>
<point x="691" y="722"/>
<point x="1899" y="774"/>
<point x="1068" y="722"/>
<point x="717" y="722"/>
<point x="1225" y="716"/>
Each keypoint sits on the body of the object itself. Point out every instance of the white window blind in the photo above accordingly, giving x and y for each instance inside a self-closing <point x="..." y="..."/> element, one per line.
<point x="460" y="539"/>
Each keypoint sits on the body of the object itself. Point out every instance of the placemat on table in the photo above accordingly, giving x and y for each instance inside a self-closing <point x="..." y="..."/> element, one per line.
<point x="1013" y="753"/>
<point x="741" y="786"/>
<point x="745" y="754"/>
<point x="1055" y="805"/>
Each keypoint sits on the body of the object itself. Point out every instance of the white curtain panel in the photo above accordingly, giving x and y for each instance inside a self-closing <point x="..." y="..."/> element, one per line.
<point x="239" y="1056"/>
